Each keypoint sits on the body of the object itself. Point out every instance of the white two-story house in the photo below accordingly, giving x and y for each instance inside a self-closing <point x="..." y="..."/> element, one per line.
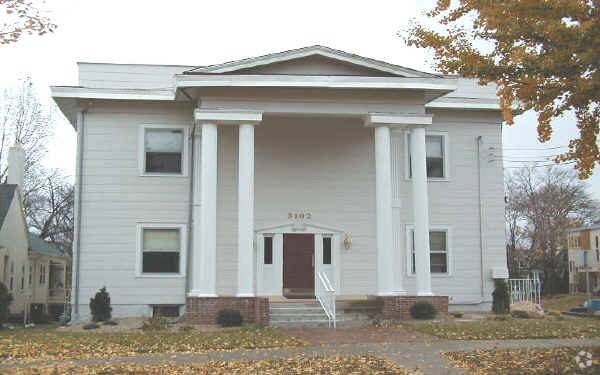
<point x="236" y="184"/>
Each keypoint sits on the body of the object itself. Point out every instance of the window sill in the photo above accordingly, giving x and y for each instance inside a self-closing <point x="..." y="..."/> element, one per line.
<point x="143" y="174"/>
<point x="435" y="275"/>
<point x="431" y="179"/>
<point x="159" y="276"/>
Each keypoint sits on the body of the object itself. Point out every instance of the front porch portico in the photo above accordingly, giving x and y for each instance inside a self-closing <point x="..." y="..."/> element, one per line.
<point x="254" y="279"/>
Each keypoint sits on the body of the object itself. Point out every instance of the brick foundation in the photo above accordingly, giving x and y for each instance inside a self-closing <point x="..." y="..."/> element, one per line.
<point x="204" y="310"/>
<point x="398" y="307"/>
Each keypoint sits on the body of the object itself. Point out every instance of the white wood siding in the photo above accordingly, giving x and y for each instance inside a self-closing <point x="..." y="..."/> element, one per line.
<point x="129" y="76"/>
<point x="321" y="165"/>
<point x="115" y="198"/>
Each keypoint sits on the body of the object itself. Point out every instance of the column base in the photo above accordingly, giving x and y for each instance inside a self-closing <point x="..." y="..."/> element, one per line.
<point x="200" y="294"/>
<point x="204" y="310"/>
<point x="398" y="307"/>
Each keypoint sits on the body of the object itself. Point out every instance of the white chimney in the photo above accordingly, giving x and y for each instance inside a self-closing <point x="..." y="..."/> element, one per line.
<point x="16" y="165"/>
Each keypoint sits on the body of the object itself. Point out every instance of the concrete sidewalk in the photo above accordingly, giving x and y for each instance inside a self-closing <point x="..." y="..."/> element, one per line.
<point x="425" y="355"/>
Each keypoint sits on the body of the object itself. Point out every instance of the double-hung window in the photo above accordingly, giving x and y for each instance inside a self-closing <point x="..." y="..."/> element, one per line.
<point x="436" y="154"/>
<point x="163" y="150"/>
<point x="161" y="249"/>
<point x="438" y="251"/>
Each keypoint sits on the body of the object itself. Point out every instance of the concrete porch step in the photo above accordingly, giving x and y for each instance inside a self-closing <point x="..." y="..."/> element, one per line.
<point x="310" y="313"/>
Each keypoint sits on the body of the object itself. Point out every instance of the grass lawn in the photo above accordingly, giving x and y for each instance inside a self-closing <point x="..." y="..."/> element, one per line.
<point x="26" y="345"/>
<point x="297" y="365"/>
<point x="525" y="361"/>
<point x="571" y="328"/>
<point x="563" y="302"/>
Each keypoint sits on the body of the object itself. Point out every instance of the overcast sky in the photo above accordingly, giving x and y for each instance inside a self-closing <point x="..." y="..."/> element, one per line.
<point x="207" y="32"/>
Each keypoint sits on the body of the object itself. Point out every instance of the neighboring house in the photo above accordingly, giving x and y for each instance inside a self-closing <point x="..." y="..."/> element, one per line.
<point x="234" y="184"/>
<point x="32" y="269"/>
<point x="580" y="241"/>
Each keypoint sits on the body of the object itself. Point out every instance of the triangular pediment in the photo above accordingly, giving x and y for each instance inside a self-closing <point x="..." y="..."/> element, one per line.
<point x="311" y="61"/>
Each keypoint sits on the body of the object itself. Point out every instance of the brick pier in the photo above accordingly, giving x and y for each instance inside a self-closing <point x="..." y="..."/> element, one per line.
<point x="398" y="307"/>
<point x="204" y="310"/>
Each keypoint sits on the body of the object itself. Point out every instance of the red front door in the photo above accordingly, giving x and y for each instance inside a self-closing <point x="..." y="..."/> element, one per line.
<point x="298" y="262"/>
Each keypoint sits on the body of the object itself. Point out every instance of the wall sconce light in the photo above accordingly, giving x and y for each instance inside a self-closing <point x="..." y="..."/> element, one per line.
<point x="347" y="241"/>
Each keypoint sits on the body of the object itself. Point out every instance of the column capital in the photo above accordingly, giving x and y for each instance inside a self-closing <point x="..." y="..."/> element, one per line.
<point x="227" y="117"/>
<point x="398" y="120"/>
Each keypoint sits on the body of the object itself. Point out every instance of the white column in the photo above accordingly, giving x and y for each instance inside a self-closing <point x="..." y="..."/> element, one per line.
<point x="246" y="211"/>
<point x="421" y="210"/>
<point x="383" y="192"/>
<point x="205" y="229"/>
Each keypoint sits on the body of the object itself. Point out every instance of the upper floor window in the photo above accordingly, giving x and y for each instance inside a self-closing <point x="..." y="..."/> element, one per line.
<point x="164" y="150"/>
<point x="438" y="251"/>
<point x="436" y="155"/>
<point x="161" y="249"/>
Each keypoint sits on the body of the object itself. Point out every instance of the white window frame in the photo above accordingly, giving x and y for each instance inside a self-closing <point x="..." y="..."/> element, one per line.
<point x="142" y="150"/>
<point x="446" y="158"/>
<point x="436" y="228"/>
<point x="182" y="252"/>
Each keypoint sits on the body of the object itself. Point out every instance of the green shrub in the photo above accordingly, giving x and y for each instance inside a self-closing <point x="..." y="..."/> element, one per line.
<point x="457" y="314"/>
<point x="501" y="299"/>
<point x="156" y="323"/>
<point x="230" y="318"/>
<point x="110" y="323"/>
<point x="91" y="326"/>
<point x="5" y="300"/>
<point x="423" y="310"/>
<point x="100" y="306"/>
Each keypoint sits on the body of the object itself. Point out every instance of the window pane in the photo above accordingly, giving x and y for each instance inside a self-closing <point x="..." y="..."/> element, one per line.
<point x="438" y="263"/>
<point x="161" y="240"/>
<point x="160" y="262"/>
<point x="268" y="257"/>
<point x="327" y="250"/>
<point x="435" y="167"/>
<point x="437" y="241"/>
<point x="164" y="149"/>
<point x="163" y="140"/>
<point x="434" y="146"/>
<point x="163" y="162"/>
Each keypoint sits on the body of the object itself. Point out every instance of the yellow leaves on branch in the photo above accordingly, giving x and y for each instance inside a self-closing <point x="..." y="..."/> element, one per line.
<point x="543" y="55"/>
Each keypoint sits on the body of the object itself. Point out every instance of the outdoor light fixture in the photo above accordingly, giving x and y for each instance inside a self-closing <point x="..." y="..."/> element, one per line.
<point x="347" y="241"/>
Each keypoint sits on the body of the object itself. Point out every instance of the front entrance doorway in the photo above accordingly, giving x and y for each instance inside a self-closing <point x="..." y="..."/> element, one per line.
<point x="299" y="265"/>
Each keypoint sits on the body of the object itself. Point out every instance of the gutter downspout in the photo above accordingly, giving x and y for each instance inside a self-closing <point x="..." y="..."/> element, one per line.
<point x="189" y="261"/>
<point x="481" y="240"/>
<point x="77" y="217"/>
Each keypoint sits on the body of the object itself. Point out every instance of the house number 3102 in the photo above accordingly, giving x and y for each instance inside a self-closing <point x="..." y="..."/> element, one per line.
<point x="299" y="215"/>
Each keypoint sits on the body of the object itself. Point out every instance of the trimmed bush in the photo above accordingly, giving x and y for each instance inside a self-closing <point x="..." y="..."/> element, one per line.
<point x="501" y="298"/>
<point x="230" y="318"/>
<point x="423" y="310"/>
<point x="457" y="314"/>
<point x="5" y="300"/>
<point x="156" y="323"/>
<point x="100" y="306"/>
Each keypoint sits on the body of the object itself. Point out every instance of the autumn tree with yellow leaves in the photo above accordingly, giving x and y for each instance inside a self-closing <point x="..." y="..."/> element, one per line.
<point x="21" y="17"/>
<point x="544" y="55"/>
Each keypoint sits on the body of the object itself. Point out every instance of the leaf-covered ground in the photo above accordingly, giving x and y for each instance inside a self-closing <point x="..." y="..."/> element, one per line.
<point x="563" y="302"/>
<point x="297" y="365"/>
<point x="575" y="328"/>
<point x="525" y="361"/>
<point x="49" y="344"/>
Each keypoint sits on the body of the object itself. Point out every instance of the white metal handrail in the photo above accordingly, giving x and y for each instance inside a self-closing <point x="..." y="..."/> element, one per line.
<point x="525" y="290"/>
<point x="326" y="296"/>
